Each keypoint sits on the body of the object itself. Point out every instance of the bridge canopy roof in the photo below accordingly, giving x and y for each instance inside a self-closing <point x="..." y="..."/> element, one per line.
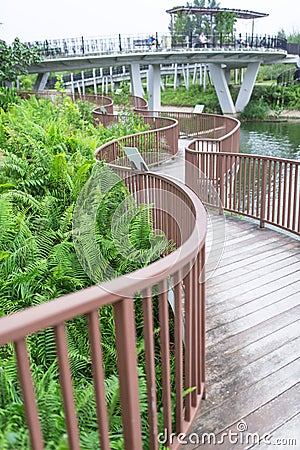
<point x="239" y="13"/>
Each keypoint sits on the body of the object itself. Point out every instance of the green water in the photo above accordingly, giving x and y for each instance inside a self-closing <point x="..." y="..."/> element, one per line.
<point x="279" y="139"/>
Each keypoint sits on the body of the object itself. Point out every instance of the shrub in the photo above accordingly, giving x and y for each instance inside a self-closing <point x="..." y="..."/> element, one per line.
<point x="255" y="110"/>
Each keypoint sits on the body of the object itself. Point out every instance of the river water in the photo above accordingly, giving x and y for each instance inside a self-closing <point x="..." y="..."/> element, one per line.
<point x="279" y="139"/>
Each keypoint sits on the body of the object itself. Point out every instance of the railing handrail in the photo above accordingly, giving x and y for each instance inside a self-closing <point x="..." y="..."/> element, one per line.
<point x="184" y="266"/>
<point x="253" y="156"/>
<point x="265" y="188"/>
<point x="81" y="46"/>
<point x="173" y="125"/>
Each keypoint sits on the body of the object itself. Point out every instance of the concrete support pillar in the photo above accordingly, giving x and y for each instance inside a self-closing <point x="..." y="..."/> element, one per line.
<point x="227" y="75"/>
<point x="94" y="82"/>
<point x="204" y="76"/>
<point x="72" y="86"/>
<point x="135" y="80"/>
<point x="41" y="81"/>
<point x="154" y="87"/>
<point x="195" y="73"/>
<point x="247" y="86"/>
<point x="177" y="79"/>
<point x="217" y="74"/>
<point x="83" y="82"/>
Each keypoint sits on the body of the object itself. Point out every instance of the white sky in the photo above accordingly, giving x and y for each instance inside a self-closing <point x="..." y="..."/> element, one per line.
<point x="38" y="20"/>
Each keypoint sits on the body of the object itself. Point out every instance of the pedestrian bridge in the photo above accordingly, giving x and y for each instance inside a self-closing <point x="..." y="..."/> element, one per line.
<point x="221" y="54"/>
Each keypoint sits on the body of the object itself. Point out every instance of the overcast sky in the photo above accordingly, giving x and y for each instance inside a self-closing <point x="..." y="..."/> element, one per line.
<point x="38" y="20"/>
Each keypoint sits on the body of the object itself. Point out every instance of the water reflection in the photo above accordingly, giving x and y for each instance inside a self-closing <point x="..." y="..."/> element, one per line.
<point x="280" y="139"/>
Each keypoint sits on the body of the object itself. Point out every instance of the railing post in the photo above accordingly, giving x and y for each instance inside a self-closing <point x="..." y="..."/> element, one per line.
<point x="128" y="377"/>
<point x="30" y="405"/>
<point x="263" y="194"/>
<point x="120" y="43"/>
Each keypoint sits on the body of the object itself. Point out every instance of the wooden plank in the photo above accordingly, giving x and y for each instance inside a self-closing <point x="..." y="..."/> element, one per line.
<point x="250" y="291"/>
<point x="259" y="304"/>
<point x="247" y="400"/>
<point x="252" y="352"/>
<point x="285" y="437"/>
<point x="245" y="375"/>
<point x="243" y="339"/>
<point x="243" y="253"/>
<point x="234" y="303"/>
<point x="270" y="261"/>
<point x="269" y="417"/>
<point x="251" y="320"/>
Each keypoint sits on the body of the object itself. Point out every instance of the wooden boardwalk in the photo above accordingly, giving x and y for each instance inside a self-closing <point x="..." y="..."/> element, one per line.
<point x="253" y="343"/>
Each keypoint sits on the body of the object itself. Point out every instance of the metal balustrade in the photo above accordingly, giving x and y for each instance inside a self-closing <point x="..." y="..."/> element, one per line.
<point x="261" y="187"/>
<point x="82" y="46"/>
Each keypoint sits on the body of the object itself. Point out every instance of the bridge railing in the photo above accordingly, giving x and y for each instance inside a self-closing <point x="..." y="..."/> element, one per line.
<point x="263" y="188"/>
<point x="204" y="126"/>
<point x="82" y="46"/>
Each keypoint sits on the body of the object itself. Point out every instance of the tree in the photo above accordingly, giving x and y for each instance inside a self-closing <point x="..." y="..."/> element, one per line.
<point x="15" y="60"/>
<point x="294" y="38"/>
<point x="224" y="22"/>
<point x="193" y="24"/>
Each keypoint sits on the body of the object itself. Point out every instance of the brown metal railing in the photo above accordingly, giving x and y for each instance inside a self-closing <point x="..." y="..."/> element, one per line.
<point x="260" y="187"/>
<point x="155" y="145"/>
<point x="204" y="126"/>
<point x="180" y="214"/>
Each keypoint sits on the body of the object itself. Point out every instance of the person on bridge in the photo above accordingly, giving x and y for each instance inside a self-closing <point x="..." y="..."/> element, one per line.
<point x="241" y="42"/>
<point x="152" y="43"/>
<point x="203" y="39"/>
<point x="200" y="41"/>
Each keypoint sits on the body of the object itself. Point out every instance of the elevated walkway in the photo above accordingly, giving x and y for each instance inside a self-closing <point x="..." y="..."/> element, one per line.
<point x="220" y="56"/>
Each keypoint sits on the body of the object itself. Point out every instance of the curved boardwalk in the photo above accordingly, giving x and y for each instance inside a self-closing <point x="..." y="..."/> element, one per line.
<point x="253" y="343"/>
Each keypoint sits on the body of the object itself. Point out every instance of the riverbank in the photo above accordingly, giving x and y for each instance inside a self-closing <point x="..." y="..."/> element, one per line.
<point x="286" y="114"/>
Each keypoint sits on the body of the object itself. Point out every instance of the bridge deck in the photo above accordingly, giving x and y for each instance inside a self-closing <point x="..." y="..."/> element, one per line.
<point x="253" y="343"/>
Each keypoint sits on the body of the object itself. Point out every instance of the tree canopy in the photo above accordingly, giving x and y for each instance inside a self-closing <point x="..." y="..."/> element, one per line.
<point x="187" y="24"/>
<point x="15" y="60"/>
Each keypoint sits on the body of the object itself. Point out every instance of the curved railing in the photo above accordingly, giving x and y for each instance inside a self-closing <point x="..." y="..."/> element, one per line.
<point x="82" y="46"/>
<point x="206" y="127"/>
<point x="261" y="187"/>
<point x="104" y="103"/>
<point x="156" y="145"/>
<point x="179" y="276"/>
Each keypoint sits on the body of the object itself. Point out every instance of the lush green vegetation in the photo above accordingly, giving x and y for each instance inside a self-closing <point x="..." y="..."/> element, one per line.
<point x="46" y="159"/>
<point x="191" y="97"/>
<point x="187" y="24"/>
<point x="15" y="59"/>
